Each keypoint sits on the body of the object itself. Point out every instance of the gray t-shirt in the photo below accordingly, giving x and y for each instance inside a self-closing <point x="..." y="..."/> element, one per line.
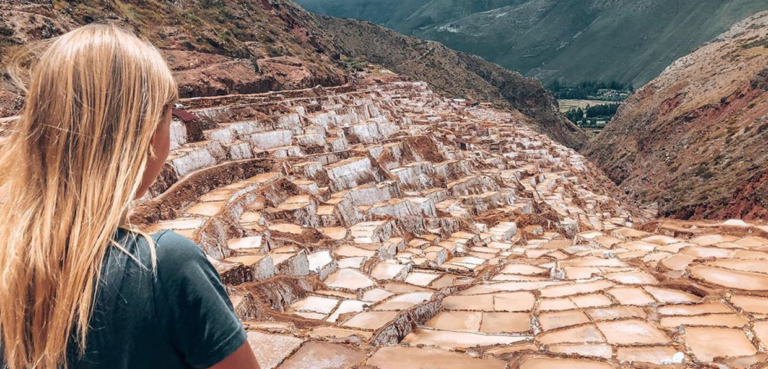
<point x="180" y="318"/>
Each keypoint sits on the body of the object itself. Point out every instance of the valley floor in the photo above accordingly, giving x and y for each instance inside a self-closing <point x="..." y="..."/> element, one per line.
<point x="381" y="225"/>
<point x="568" y="104"/>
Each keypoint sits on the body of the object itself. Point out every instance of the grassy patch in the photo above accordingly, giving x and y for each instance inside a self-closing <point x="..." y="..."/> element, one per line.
<point x="273" y="51"/>
<point x="703" y="171"/>
<point x="355" y="64"/>
<point x="683" y="188"/>
<point x="757" y="43"/>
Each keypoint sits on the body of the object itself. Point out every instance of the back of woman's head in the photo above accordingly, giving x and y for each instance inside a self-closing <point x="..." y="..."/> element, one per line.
<point x="69" y="169"/>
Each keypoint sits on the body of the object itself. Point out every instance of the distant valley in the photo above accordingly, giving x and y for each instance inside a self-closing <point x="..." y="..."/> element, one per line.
<point x="629" y="41"/>
<point x="454" y="73"/>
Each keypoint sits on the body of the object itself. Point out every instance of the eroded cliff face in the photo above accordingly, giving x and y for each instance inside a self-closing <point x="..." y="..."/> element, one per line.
<point x="214" y="47"/>
<point x="695" y="139"/>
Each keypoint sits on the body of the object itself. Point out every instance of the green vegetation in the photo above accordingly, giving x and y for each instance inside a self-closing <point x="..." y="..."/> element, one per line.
<point x="703" y="171"/>
<point x="602" y="111"/>
<point x="762" y="128"/>
<point x="763" y="42"/>
<point x="575" y="115"/>
<point x="591" y="90"/>
<point x="593" y="116"/>
<point x="354" y="64"/>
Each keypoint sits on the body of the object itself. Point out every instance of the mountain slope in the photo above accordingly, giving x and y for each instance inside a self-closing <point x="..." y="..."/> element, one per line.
<point x="630" y="41"/>
<point x="214" y="47"/>
<point x="694" y="139"/>
<point x="377" y="11"/>
<point x="455" y="74"/>
<point x="229" y="46"/>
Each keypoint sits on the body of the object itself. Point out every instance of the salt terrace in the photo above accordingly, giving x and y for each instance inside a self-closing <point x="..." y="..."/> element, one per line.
<point x="383" y="226"/>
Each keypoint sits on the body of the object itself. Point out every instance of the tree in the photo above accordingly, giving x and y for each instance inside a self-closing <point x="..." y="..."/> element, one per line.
<point x="586" y="89"/>
<point x="575" y="115"/>
<point x="602" y="110"/>
<point x="555" y="86"/>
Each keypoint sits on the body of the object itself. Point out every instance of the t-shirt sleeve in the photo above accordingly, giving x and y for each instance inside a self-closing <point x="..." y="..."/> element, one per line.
<point x="193" y="303"/>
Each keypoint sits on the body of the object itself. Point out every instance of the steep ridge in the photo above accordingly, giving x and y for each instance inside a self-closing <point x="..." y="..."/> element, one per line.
<point x="405" y="18"/>
<point x="377" y="11"/>
<point x="214" y="47"/>
<point x="694" y="139"/>
<point x="630" y="41"/>
<point x="455" y="74"/>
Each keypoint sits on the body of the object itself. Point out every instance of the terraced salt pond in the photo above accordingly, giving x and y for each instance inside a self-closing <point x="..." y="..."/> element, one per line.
<point x="383" y="226"/>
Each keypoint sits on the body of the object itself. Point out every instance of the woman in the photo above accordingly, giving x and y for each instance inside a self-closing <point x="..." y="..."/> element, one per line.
<point x="79" y="288"/>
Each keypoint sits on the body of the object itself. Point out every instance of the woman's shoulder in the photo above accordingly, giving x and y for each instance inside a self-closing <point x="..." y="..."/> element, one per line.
<point x="176" y="251"/>
<point x="170" y="243"/>
<point x="172" y="250"/>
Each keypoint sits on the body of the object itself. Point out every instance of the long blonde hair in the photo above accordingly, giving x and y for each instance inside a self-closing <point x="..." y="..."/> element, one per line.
<point x="69" y="169"/>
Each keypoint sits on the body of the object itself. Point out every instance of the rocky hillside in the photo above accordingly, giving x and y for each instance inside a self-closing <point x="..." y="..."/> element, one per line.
<point x="219" y="47"/>
<point x="455" y="74"/>
<point x="214" y="46"/>
<point x="630" y="41"/>
<point x="695" y="139"/>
